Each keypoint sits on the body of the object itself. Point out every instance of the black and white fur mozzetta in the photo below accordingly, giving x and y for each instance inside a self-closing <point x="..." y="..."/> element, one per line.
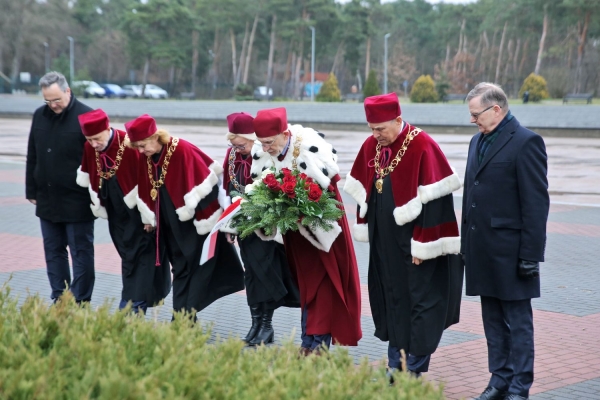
<point x="317" y="159"/>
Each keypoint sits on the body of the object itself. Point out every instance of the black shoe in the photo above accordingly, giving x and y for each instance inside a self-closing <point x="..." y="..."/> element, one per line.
<point x="491" y="393"/>
<point x="265" y="334"/>
<point x="512" y="396"/>
<point x="256" y="313"/>
<point x="389" y="372"/>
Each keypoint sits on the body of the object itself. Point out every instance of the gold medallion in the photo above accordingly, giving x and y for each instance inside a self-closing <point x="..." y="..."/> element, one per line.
<point x="379" y="185"/>
<point x="153" y="194"/>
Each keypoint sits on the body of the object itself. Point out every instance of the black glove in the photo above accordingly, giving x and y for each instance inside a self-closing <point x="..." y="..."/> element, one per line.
<point x="528" y="269"/>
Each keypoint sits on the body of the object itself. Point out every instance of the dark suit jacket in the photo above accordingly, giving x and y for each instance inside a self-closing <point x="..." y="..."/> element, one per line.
<point x="504" y="213"/>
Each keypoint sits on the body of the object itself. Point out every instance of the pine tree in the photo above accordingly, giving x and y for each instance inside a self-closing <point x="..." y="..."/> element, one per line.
<point x="371" y="86"/>
<point x="330" y="92"/>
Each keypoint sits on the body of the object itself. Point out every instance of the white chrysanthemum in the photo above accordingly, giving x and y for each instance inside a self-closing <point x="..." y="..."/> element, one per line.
<point x="266" y="172"/>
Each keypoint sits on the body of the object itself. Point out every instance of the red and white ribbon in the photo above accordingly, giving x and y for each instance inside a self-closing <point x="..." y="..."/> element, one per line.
<point x="210" y="244"/>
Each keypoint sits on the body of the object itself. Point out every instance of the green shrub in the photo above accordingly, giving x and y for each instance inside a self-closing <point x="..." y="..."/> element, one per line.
<point x="371" y="86"/>
<point x="72" y="352"/>
<point x="330" y="92"/>
<point x="243" y="90"/>
<point x="423" y="91"/>
<point x="536" y="86"/>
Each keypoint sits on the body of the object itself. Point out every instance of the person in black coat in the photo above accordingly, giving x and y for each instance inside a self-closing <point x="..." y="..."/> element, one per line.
<point x="504" y="215"/>
<point x="53" y="156"/>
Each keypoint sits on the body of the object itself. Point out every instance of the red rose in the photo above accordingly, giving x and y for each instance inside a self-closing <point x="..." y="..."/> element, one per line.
<point x="309" y="180"/>
<point x="303" y="175"/>
<point x="289" y="178"/>
<point x="314" y="192"/>
<point x="271" y="182"/>
<point x="289" y="189"/>
<point x="286" y="171"/>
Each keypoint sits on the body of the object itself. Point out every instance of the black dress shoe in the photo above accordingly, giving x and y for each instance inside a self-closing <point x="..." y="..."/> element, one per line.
<point x="491" y="393"/>
<point x="512" y="396"/>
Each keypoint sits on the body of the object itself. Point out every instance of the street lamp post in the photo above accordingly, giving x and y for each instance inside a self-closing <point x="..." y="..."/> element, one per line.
<point x="71" y="58"/>
<point x="312" y="66"/>
<point x="46" y="57"/>
<point x="385" y="62"/>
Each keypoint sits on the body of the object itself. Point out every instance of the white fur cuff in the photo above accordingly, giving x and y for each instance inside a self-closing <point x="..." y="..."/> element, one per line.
<point x="358" y="192"/>
<point x="408" y="212"/>
<point x="83" y="178"/>
<point x="204" y="226"/>
<point x="440" y="247"/>
<point x="360" y="232"/>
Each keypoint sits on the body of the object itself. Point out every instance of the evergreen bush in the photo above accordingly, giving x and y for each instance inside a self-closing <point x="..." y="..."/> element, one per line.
<point x="423" y="91"/>
<point x="371" y="86"/>
<point x="330" y="92"/>
<point x="73" y="352"/>
<point x="536" y="86"/>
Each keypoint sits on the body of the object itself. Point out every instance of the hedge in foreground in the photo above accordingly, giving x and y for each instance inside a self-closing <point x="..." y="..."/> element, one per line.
<point x="69" y="352"/>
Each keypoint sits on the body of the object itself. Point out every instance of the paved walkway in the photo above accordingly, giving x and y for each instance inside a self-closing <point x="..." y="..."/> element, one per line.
<point x="567" y="316"/>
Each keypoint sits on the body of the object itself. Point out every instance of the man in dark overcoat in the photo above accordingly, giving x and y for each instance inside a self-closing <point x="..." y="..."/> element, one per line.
<point x="53" y="156"/>
<point x="504" y="214"/>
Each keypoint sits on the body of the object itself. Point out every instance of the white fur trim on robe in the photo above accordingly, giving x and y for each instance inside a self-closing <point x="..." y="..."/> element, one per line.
<point x="83" y="178"/>
<point x="130" y="198"/>
<point x="319" y="238"/>
<point x="360" y="232"/>
<point x="440" y="189"/>
<point x="440" y="247"/>
<point x="193" y="197"/>
<point x="97" y="209"/>
<point x="204" y="226"/>
<point x="148" y="216"/>
<point x="408" y="212"/>
<point x="358" y="192"/>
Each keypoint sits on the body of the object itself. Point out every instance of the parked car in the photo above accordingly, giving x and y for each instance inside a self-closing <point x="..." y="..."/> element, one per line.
<point x="89" y="89"/>
<point x="133" y="91"/>
<point x="260" y="93"/>
<point x="155" y="92"/>
<point x="113" y="90"/>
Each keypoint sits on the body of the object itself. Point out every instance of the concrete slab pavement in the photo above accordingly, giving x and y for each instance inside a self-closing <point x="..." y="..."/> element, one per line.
<point x="567" y="316"/>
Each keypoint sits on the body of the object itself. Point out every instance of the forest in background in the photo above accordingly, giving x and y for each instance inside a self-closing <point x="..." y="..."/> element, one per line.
<point x="210" y="47"/>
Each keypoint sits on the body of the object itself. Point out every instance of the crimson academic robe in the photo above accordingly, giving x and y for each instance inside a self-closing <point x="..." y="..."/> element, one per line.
<point x="412" y="217"/>
<point x="183" y="213"/>
<point x="324" y="263"/>
<point x="115" y="200"/>
<point x="267" y="276"/>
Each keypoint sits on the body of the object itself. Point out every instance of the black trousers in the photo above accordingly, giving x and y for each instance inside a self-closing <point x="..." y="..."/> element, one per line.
<point x="79" y="237"/>
<point x="508" y="329"/>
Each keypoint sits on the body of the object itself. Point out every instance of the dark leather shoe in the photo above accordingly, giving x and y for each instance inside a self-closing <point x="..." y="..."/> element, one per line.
<point x="512" y="396"/>
<point x="491" y="393"/>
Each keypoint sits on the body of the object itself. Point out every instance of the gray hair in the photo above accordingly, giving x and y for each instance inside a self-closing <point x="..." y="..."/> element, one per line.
<point x="54" y="77"/>
<point x="490" y="94"/>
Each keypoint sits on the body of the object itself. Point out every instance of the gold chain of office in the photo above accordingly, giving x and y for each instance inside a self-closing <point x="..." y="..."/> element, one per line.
<point x="383" y="172"/>
<point x="163" y="174"/>
<point x="111" y="172"/>
<point x="236" y="184"/>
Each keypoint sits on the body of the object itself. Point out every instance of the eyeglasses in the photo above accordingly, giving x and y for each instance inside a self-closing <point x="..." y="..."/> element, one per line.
<point x="237" y="147"/>
<point x="267" y="144"/>
<point x="55" y="101"/>
<point x="476" y="115"/>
